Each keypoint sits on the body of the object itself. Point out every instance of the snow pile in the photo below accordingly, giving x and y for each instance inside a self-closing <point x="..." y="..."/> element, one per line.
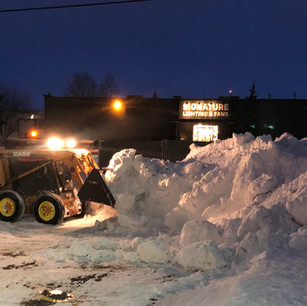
<point x="213" y="181"/>
<point x="224" y="203"/>
<point x="235" y="211"/>
<point x="216" y="180"/>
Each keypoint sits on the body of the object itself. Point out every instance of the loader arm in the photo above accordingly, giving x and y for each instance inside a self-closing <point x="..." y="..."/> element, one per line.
<point x="76" y="170"/>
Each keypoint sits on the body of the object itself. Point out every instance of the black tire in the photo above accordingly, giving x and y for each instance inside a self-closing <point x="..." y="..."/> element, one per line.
<point x="49" y="209"/>
<point x="12" y="206"/>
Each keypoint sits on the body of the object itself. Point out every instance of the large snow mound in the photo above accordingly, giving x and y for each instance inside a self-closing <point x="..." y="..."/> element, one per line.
<point x="212" y="182"/>
<point x="225" y="202"/>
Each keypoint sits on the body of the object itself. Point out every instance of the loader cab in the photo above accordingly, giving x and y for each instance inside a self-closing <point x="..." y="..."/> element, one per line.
<point x="45" y="177"/>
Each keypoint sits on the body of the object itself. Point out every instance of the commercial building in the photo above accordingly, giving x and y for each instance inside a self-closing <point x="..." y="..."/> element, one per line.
<point x="210" y="119"/>
<point x="207" y="120"/>
<point x="193" y="120"/>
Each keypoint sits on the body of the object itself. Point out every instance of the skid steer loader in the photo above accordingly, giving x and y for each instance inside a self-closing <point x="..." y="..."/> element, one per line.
<point x="50" y="184"/>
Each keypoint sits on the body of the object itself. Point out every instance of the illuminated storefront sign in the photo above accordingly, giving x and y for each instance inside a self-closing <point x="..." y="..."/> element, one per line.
<point x="191" y="109"/>
<point x="205" y="133"/>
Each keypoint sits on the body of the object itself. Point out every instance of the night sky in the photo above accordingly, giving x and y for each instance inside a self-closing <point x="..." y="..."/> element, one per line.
<point x="191" y="48"/>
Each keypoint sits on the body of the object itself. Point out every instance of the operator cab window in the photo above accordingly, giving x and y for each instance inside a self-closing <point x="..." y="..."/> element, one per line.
<point x="64" y="176"/>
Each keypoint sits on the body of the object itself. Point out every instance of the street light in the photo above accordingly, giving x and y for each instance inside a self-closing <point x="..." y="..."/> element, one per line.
<point x="118" y="106"/>
<point x="34" y="133"/>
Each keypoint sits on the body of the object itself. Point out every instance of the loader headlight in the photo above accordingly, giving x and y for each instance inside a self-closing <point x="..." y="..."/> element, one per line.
<point x="70" y="143"/>
<point x="55" y="143"/>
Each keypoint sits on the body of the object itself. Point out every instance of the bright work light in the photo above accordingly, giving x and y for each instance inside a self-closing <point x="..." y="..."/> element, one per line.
<point x="55" y="143"/>
<point x="71" y="143"/>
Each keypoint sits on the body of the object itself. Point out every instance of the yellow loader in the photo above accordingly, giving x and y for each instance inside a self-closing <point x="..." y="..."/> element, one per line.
<point x="50" y="184"/>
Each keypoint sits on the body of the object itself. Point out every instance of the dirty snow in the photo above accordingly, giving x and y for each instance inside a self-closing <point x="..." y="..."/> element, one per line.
<point x="225" y="226"/>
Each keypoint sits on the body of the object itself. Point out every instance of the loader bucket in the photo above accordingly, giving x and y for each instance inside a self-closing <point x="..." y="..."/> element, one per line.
<point x="95" y="189"/>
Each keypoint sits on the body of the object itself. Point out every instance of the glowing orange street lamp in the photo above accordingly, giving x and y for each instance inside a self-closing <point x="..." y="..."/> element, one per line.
<point x="34" y="133"/>
<point x="118" y="105"/>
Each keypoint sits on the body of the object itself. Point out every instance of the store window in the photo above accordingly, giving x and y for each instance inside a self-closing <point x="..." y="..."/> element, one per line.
<point x="205" y="133"/>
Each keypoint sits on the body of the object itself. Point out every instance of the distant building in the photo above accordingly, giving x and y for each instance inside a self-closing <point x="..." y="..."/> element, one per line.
<point x="28" y="120"/>
<point x="20" y="127"/>
<point x="193" y="120"/>
<point x="133" y="117"/>
<point x="205" y="120"/>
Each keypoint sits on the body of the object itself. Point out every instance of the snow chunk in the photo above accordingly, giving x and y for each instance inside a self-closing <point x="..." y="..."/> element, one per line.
<point x="129" y="257"/>
<point x="132" y="221"/>
<point x="195" y="231"/>
<point x="136" y="242"/>
<point x="56" y="255"/>
<point x="258" y="218"/>
<point x="202" y="256"/>
<point x="105" y="244"/>
<point x="121" y="162"/>
<point x="262" y="185"/>
<point x="81" y="252"/>
<point x="254" y="243"/>
<point x="102" y="256"/>
<point x="297" y="208"/>
<point x="154" y="251"/>
<point x="105" y="225"/>
<point x="125" y="245"/>
<point x="240" y="139"/>
<point x="299" y="239"/>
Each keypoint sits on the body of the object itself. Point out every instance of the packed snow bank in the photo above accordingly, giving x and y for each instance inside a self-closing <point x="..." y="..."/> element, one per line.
<point x="215" y="181"/>
<point x="224" y="203"/>
<point x="231" y="206"/>
<point x="234" y="210"/>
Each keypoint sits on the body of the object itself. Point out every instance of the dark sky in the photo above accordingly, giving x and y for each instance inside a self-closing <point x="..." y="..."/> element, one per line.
<point x="192" y="48"/>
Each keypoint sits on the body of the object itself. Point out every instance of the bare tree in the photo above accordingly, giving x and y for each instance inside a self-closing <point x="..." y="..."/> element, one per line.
<point x="108" y="88"/>
<point x="11" y="103"/>
<point x="82" y="84"/>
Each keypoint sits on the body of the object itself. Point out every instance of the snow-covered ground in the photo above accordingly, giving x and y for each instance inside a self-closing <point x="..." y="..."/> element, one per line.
<point x="225" y="226"/>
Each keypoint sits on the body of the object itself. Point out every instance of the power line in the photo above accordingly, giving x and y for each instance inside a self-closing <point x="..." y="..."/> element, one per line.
<point x="69" y="6"/>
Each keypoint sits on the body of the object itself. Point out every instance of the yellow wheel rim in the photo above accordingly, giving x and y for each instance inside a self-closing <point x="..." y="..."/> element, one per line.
<point x="7" y="207"/>
<point x="46" y="211"/>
